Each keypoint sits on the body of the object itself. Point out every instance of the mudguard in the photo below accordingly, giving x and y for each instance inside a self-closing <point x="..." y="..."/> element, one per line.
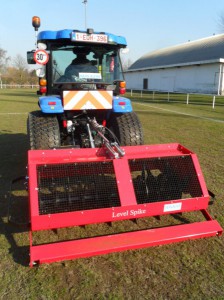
<point x="51" y="104"/>
<point x="121" y="105"/>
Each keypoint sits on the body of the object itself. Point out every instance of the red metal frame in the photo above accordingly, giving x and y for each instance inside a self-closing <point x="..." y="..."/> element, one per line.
<point x="128" y="208"/>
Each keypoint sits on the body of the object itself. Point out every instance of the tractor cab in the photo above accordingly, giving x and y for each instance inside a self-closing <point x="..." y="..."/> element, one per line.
<point x="83" y="67"/>
<point x="78" y="60"/>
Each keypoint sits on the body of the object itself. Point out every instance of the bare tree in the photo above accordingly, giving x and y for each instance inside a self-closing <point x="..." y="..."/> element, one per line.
<point x="20" y="63"/>
<point x="3" y="60"/>
<point x="221" y="22"/>
<point x="126" y="63"/>
<point x="21" y="67"/>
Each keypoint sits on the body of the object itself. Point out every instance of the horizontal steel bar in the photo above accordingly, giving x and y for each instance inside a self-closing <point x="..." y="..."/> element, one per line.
<point x="83" y="155"/>
<point x="120" y="242"/>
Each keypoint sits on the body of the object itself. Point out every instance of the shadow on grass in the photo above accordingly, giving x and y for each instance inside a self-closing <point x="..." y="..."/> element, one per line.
<point x="19" y="253"/>
<point x="13" y="151"/>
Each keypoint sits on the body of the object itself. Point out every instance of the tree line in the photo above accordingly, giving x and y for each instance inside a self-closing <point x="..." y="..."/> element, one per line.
<point x="15" y="70"/>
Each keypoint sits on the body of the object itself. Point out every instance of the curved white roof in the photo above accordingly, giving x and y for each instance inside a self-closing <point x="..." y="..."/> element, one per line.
<point x="205" y="50"/>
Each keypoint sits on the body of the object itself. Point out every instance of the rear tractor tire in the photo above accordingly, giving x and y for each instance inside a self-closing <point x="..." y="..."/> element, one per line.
<point x="43" y="131"/>
<point x="127" y="129"/>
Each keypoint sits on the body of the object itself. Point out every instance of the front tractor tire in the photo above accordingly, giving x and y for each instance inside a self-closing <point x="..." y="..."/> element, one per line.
<point x="43" y="131"/>
<point x="127" y="129"/>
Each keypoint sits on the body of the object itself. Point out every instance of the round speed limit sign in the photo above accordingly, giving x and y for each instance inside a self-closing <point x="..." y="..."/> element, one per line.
<point x="41" y="57"/>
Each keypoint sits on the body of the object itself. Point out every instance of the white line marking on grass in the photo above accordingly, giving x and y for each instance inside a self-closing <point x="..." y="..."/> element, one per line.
<point x="25" y="113"/>
<point x="180" y="113"/>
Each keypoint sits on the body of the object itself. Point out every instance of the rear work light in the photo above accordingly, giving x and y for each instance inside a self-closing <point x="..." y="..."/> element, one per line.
<point x="122" y="84"/>
<point x="43" y="82"/>
<point x="43" y="89"/>
<point x="122" y="91"/>
<point x="43" y="85"/>
<point x="122" y="87"/>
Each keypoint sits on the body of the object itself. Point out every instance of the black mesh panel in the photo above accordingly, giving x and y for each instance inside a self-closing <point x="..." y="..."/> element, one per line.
<point x="76" y="186"/>
<point x="163" y="179"/>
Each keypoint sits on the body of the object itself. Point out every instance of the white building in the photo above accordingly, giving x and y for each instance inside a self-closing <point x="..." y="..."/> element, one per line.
<point x="192" y="67"/>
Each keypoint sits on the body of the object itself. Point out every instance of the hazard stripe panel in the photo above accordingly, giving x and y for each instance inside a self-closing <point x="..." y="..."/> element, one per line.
<point x="78" y="100"/>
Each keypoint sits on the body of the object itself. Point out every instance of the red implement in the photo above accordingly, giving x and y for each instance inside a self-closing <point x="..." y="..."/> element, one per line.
<point x="74" y="187"/>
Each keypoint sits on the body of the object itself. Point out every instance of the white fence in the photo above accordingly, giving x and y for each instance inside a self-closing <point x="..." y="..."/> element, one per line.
<point x="18" y="86"/>
<point x="185" y="98"/>
<point x="166" y="96"/>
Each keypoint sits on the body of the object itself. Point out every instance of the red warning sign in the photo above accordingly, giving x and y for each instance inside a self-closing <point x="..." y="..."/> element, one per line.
<point x="41" y="57"/>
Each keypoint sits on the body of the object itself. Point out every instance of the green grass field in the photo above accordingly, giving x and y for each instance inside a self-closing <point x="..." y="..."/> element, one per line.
<point x="187" y="270"/>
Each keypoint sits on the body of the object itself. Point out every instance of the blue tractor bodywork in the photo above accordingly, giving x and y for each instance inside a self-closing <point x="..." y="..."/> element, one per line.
<point x="53" y="105"/>
<point x="67" y="34"/>
<point x="81" y="86"/>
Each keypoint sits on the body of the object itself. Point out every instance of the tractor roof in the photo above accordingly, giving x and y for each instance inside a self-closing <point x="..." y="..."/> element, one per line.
<point x="67" y="33"/>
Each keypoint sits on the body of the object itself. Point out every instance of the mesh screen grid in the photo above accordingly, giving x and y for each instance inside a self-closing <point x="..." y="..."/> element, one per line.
<point x="76" y="186"/>
<point x="92" y="185"/>
<point x="164" y="179"/>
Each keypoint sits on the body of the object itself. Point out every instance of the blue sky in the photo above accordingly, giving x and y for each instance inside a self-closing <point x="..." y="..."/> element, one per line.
<point x="147" y="24"/>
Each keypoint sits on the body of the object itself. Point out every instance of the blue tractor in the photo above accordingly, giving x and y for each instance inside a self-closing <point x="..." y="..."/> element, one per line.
<point x="80" y="95"/>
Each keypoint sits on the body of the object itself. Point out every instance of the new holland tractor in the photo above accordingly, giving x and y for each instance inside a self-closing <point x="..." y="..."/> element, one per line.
<point x="81" y="83"/>
<point x="88" y="163"/>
